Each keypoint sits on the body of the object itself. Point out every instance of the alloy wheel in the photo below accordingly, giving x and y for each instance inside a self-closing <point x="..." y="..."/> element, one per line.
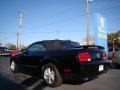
<point x="49" y="75"/>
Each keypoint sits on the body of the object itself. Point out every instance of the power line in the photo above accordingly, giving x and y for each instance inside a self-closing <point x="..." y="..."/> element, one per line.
<point x="7" y="33"/>
<point x="110" y="4"/>
<point x="66" y="19"/>
<point x="71" y="18"/>
<point x="45" y="31"/>
<point x="6" y="38"/>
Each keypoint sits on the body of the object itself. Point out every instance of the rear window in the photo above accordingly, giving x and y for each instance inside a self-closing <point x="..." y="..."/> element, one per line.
<point x="59" y="45"/>
<point x="70" y="44"/>
<point x="111" y="49"/>
<point x="116" y="49"/>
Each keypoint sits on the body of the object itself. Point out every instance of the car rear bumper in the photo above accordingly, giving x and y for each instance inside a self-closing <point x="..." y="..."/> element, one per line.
<point x="93" y="68"/>
<point x="89" y="69"/>
<point x="5" y="54"/>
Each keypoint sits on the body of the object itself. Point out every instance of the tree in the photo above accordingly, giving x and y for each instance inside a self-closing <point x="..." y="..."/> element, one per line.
<point x="22" y="46"/>
<point x="13" y="46"/>
<point x="114" y="38"/>
<point x="10" y="46"/>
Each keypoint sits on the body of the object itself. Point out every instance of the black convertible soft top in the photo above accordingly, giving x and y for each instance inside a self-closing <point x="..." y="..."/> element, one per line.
<point x="60" y="44"/>
<point x="65" y="44"/>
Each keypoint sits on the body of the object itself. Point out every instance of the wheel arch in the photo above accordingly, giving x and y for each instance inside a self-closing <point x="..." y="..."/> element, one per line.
<point x="53" y="61"/>
<point x="11" y="59"/>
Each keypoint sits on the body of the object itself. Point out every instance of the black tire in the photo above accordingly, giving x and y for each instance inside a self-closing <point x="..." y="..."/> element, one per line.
<point x="13" y="66"/>
<point x="57" y="77"/>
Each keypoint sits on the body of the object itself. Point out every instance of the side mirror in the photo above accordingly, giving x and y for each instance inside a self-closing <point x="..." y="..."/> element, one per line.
<point x="24" y="50"/>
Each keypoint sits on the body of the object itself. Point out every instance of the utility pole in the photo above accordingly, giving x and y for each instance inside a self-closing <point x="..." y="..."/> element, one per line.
<point x="20" y="29"/>
<point x="88" y="20"/>
<point x="17" y="40"/>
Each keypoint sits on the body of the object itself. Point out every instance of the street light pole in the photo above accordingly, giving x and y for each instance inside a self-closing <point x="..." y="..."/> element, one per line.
<point x="87" y="21"/>
<point x="17" y="40"/>
<point x="20" y="28"/>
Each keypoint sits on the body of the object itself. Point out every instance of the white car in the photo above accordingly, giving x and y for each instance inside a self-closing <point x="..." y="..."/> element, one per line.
<point x="114" y="56"/>
<point x="4" y="51"/>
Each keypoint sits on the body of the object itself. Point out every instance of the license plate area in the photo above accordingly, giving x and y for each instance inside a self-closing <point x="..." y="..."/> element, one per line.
<point x="101" y="68"/>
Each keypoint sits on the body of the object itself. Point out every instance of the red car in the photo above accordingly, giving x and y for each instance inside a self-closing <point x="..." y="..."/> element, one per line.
<point x="13" y="52"/>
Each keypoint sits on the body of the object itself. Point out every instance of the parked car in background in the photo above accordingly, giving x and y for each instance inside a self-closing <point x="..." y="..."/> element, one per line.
<point x="4" y="51"/>
<point x="56" y="60"/>
<point x="14" y="52"/>
<point x="114" y="56"/>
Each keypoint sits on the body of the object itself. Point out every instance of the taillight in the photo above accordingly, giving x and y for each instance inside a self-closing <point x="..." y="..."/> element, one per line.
<point x="104" y="56"/>
<point x="84" y="57"/>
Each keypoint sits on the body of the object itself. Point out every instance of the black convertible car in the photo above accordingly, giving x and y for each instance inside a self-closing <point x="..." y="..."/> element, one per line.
<point x="54" y="60"/>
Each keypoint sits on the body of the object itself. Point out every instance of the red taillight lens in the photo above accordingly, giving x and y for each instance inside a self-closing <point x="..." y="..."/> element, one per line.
<point x="84" y="57"/>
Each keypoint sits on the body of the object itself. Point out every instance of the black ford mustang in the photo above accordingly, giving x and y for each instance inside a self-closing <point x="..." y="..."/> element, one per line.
<point x="54" y="60"/>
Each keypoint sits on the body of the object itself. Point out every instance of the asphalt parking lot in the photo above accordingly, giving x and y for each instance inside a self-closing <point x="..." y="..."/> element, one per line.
<point x="19" y="81"/>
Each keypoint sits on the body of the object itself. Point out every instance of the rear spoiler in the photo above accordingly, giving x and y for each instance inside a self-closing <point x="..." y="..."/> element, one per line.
<point x="92" y="46"/>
